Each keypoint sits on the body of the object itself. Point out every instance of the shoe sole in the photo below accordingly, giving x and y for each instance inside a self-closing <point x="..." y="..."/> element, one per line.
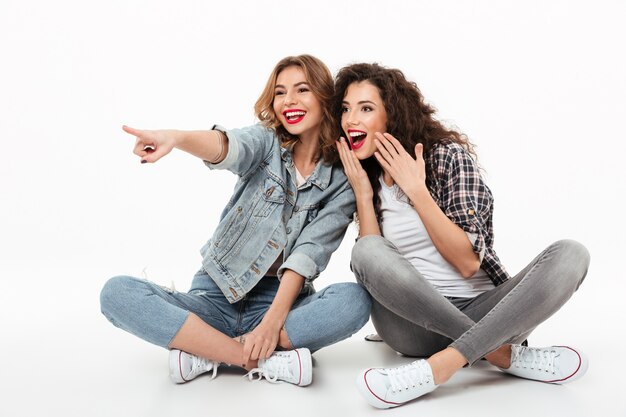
<point x="578" y="373"/>
<point x="175" y="373"/>
<point x="306" y="367"/>
<point x="371" y="398"/>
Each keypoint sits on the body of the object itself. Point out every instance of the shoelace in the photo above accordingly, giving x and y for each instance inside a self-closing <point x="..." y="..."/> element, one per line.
<point x="277" y="366"/>
<point x="408" y="376"/>
<point x="199" y="363"/>
<point x="534" y="358"/>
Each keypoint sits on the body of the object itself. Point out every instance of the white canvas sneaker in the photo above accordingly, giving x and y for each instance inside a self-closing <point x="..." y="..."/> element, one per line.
<point x="391" y="387"/>
<point x="554" y="364"/>
<point x="293" y="366"/>
<point x="184" y="366"/>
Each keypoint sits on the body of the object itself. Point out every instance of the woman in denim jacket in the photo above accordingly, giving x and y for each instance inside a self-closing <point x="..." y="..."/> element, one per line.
<point x="438" y="288"/>
<point x="252" y="303"/>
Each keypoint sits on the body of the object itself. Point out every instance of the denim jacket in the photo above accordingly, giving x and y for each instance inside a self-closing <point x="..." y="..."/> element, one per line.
<point x="268" y="215"/>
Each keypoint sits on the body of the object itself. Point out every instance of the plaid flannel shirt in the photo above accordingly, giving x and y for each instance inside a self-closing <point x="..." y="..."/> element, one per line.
<point x="460" y="192"/>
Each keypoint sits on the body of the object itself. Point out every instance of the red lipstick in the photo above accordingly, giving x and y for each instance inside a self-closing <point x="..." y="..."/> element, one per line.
<point x="357" y="138"/>
<point x="293" y="116"/>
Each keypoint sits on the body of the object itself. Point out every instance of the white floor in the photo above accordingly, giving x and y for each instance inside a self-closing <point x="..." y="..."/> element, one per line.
<point x="67" y="360"/>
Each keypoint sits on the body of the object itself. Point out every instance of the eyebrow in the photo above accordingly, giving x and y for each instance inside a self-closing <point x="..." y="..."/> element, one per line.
<point x="295" y="85"/>
<point x="362" y="102"/>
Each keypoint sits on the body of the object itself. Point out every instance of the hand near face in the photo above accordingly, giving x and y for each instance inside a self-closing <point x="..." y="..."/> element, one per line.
<point x="152" y="145"/>
<point x="408" y="173"/>
<point x="357" y="177"/>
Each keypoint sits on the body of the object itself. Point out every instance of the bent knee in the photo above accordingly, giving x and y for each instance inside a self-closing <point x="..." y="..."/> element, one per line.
<point x="576" y="256"/>
<point x="355" y="295"/>
<point x="575" y="251"/>
<point x="113" y="291"/>
<point x="356" y="301"/>
<point x="371" y="253"/>
<point x="364" y="248"/>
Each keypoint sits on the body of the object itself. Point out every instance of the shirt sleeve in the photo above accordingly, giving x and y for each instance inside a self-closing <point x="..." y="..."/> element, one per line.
<point x="465" y="199"/>
<point x="321" y="237"/>
<point x="247" y="148"/>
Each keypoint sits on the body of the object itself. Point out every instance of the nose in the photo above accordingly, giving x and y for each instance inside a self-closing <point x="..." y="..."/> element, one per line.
<point x="290" y="98"/>
<point x="351" y="118"/>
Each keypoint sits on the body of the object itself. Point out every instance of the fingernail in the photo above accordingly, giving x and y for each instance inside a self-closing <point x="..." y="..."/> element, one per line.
<point x="143" y="161"/>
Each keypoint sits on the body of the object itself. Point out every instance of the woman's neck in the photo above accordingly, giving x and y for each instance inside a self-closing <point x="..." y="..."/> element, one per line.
<point x="306" y="154"/>
<point x="387" y="178"/>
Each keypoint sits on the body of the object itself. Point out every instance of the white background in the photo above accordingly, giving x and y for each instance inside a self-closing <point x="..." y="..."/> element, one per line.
<point x="538" y="86"/>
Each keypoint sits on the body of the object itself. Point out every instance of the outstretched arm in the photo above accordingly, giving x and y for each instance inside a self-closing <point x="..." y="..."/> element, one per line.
<point x="152" y="145"/>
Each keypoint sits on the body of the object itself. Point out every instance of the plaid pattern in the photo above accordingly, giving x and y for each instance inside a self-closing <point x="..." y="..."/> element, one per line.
<point x="462" y="195"/>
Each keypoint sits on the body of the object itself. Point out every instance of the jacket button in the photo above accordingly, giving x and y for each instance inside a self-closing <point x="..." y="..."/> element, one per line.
<point x="296" y="208"/>
<point x="288" y="230"/>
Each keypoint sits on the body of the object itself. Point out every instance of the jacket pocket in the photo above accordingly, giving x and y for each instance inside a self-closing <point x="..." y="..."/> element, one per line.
<point x="273" y="195"/>
<point x="224" y="238"/>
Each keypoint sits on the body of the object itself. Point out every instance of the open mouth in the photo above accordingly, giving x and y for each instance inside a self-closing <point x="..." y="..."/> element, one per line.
<point x="357" y="138"/>
<point x="294" y="116"/>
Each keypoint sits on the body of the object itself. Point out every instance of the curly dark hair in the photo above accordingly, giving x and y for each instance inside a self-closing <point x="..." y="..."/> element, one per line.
<point x="409" y="118"/>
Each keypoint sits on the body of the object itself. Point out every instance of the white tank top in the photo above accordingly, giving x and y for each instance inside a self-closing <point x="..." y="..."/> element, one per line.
<point x="402" y="226"/>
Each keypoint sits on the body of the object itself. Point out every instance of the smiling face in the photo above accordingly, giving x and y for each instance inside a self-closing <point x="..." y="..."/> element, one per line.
<point x="363" y="114"/>
<point x="295" y="105"/>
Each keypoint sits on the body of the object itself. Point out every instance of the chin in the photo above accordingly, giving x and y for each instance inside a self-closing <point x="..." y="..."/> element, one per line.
<point x="361" y="156"/>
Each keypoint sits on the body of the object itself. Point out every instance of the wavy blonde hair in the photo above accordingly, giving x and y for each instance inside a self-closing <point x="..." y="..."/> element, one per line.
<point x="320" y="80"/>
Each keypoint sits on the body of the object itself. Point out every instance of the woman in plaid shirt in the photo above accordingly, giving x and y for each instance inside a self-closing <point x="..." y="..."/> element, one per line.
<point x="425" y="248"/>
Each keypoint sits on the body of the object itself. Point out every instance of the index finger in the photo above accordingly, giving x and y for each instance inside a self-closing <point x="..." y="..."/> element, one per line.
<point x="395" y="142"/>
<point x="342" y="151"/>
<point x="131" y="130"/>
<point x="347" y="157"/>
<point x="247" y="351"/>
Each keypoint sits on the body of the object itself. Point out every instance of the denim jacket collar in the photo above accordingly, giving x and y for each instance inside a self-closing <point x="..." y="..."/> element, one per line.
<point x="320" y="176"/>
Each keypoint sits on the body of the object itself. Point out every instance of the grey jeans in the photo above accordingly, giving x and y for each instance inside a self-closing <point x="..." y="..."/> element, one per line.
<point x="413" y="318"/>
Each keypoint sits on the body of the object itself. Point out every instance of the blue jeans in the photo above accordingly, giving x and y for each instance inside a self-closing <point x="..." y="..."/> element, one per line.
<point x="156" y="314"/>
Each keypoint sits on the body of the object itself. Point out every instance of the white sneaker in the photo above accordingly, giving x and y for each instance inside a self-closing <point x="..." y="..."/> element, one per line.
<point x="374" y="337"/>
<point x="554" y="364"/>
<point x="391" y="387"/>
<point x="184" y="367"/>
<point x="293" y="366"/>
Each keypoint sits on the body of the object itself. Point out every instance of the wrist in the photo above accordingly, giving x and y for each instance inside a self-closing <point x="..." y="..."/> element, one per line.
<point x="364" y="196"/>
<point x="418" y="194"/>
<point x="275" y="318"/>
<point x="178" y="138"/>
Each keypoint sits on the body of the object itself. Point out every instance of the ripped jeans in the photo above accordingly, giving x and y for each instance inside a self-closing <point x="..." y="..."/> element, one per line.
<point x="155" y="313"/>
